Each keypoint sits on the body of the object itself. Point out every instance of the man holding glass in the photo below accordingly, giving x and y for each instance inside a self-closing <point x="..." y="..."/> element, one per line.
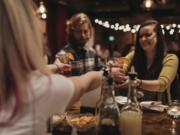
<point x="79" y="47"/>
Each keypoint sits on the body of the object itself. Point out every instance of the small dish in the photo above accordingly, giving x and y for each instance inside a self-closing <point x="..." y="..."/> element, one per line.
<point x="121" y="100"/>
<point x="82" y="122"/>
<point x="155" y="106"/>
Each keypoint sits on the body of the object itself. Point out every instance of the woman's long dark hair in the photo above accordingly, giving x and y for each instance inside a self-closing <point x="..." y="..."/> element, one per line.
<point x="140" y="60"/>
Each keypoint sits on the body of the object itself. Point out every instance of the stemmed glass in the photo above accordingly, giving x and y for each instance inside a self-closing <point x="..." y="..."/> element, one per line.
<point x="173" y="112"/>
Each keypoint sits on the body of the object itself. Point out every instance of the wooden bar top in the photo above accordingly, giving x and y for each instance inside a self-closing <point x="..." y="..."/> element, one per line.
<point x="155" y="123"/>
<point x="158" y="124"/>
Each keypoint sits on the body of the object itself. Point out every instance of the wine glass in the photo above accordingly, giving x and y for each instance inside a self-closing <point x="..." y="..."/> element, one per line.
<point x="173" y="112"/>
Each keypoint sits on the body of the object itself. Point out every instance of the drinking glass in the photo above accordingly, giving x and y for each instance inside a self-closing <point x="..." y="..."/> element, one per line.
<point x="117" y="66"/>
<point x="173" y="112"/>
<point x="60" y="125"/>
<point x="119" y="62"/>
<point x="65" y="58"/>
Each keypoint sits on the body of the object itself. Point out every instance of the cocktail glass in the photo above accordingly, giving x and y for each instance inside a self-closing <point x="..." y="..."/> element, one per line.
<point x="173" y="112"/>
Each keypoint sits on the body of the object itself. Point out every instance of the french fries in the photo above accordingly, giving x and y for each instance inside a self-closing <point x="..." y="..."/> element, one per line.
<point x="83" y="120"/>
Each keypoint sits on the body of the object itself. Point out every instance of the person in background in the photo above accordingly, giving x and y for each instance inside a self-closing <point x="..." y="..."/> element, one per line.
<point x="28" y="93"/>
<point x="116" y="51"/>
<point x="80" y="45"/>
<point x="155" y="67"/>
<point x="127" y="49"/>
<point x="79" y="52"/>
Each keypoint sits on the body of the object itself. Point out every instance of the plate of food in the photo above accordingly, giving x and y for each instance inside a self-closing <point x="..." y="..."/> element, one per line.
<point x="156" y="106"/>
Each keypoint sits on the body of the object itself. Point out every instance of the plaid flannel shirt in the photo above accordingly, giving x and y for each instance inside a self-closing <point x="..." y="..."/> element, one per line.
<point x="84" y="60"/>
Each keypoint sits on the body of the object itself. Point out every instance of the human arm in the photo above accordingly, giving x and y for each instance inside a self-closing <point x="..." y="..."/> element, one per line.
<point x="168" y="72"/>
<point x="56" y="93"/>
<point x="120" y="70"/>
<point x="167" y="75"/>
<point x="57" y="66"/>
<point x="85" y="83"/>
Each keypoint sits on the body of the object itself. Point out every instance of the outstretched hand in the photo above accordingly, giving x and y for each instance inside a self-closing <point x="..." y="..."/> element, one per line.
<point x="121" y="79"/>
<point x="62" y="67"/>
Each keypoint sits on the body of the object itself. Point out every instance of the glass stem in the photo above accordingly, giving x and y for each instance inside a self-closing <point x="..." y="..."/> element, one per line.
<point x="74" y="131"/>
<point x="173" y="127"/>
<point x="173" y="124"/>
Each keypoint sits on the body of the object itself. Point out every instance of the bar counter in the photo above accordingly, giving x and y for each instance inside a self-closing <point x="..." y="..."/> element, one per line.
<point x="158" y="124"/>
<point x="153" y="123"/>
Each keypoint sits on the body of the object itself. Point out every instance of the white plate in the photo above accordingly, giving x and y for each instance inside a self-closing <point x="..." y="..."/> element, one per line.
<point x="153" y="105"/>
<point x="121" y="99"/>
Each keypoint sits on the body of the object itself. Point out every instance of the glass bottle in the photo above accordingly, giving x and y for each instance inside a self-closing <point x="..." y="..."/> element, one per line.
<point x="131" y="114"/>
<point x="107" y="110"/>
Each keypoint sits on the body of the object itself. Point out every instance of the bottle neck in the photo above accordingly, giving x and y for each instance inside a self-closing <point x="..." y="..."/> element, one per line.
<point x="108" y="93"/>
<point x="132" y="92"/>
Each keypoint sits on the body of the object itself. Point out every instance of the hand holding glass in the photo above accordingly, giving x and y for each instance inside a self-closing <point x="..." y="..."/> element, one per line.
<point x="65" y="60"/>
<point x="117" y="67"/>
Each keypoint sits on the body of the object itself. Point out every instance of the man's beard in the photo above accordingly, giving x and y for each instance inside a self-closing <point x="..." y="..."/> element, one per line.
<point x="76" y="43"/>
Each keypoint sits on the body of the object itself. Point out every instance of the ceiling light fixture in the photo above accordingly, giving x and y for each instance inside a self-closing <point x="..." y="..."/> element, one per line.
<point x="42" y="12"/>
<point x="148" y="4"/>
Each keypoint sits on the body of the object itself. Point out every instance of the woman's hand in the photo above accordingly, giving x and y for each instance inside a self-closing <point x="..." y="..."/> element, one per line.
<point x="122" y="85"/>
<point x="119" y="76"/>
<point x="62" y="68"/>
<point x="121" y="81"/>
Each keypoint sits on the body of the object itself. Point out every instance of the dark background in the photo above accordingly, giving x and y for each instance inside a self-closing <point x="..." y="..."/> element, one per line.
<point x="122" y="11"/>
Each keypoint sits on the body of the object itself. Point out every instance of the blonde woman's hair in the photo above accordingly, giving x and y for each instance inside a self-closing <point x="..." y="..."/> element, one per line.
<point x="20" y="49"/>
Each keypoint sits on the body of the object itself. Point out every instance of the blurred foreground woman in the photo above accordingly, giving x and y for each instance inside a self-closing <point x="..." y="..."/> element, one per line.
<point x="28" y="93"/>
<point x="155" y="67"/>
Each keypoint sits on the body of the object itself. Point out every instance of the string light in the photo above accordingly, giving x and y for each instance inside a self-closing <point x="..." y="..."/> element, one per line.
<point x="134" y="28"/>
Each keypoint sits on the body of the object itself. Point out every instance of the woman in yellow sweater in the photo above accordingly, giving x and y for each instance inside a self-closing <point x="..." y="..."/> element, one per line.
<point x="156" y="69"/>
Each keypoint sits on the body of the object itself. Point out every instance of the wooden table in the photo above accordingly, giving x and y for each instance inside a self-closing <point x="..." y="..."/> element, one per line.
<point x="157" y="124"/>
<point x="154" y="123"/>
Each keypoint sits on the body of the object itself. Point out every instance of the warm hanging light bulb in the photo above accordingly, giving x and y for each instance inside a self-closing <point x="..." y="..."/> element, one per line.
<point x="44" y="16"/>
<point x="42" y="8"/>
<point x="148" y="4"/>
<point x="42" y="12"/>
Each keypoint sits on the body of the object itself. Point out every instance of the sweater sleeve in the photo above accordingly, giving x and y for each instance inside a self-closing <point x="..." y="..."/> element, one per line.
<point x="168" y="72"/>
